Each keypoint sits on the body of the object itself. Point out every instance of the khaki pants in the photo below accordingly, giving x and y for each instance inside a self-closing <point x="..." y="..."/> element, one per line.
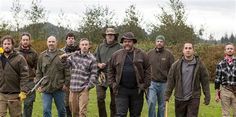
<point x="11" y="102"/>
<point x="228" y="99"/>
<point x="78" y="102"/>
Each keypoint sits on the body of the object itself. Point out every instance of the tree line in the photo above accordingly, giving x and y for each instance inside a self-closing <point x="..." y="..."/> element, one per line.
<point x="171" y="23"/>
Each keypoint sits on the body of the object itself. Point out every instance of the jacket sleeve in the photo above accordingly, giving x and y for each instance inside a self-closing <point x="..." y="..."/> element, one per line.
<point x="111" y="72"/>
<point x="93" y="74"/>
<point x="147" y="72"/>
<point x="218" y="76"/>
<point x="204" y="79"/>
<point x="24" y="74"/>
<point x="67" y="75"/>
<point x="39" y="72"/>
<point x="170" y="82"/>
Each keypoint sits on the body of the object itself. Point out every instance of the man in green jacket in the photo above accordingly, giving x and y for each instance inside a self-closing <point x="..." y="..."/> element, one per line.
<point x="31" y="56"/>
<point x="56" y="80"/>
<point x="103" y="54"/>
<point x="187" y="75"/>
<point x="14" y="73"/>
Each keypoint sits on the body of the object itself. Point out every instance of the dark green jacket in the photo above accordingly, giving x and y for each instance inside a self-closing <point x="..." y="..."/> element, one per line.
<point x="200" y="81"/>
<point x="57" y="74"/>
<point x="14" y="74"/>
<point x="104" y="51"/>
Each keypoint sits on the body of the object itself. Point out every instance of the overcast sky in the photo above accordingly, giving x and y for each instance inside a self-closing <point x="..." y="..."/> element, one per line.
<point x="216" y="16"/>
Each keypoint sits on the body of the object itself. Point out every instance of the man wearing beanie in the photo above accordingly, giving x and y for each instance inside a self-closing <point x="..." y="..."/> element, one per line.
<point x="129" y="74"/>
<point x="163" y="60"/>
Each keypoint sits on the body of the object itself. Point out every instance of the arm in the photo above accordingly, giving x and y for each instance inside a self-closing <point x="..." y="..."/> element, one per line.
<point x="147" y="72"/>
<point x="111" y="72"/>
<point x="24" y="74"/>
<point x="39" y="73"/>
<point x="218" y="82"/>
<point x="170" y="82"/>
<point x="93" y="74"/>
<point x="204" y="79"/>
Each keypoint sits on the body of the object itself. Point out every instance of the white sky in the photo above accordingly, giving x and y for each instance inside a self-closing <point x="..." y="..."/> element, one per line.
<point x="216" y="16"/>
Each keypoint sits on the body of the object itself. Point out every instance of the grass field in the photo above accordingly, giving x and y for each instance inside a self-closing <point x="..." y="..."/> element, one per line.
<point x="212" y="110"/>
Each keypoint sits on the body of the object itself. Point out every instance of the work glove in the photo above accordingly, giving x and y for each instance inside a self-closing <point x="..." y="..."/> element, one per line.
<point x="22" y="96"/>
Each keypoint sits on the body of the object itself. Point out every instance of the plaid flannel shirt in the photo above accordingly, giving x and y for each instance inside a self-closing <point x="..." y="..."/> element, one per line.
<point x="83" y="71"/>
<point x="225" y="73"/>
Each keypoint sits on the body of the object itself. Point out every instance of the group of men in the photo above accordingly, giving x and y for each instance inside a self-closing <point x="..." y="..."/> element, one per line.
<point x="66" y="75"/>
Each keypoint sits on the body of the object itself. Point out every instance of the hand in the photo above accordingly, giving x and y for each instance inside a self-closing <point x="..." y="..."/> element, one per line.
<point x="206" y="101"/>
<point x="22" y="96"/>
<point x="217" y="97"/>
<point x="40" y="90"/>
<point x="65" y="88"/>
<point x="63" y="56"/>
<point x="101" y="65"/>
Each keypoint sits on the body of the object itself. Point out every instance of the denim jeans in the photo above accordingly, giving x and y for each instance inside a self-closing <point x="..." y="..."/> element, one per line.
<point x="156" y="94"/>
<point x="28" y="104"/>
<point x="58" y="97"/>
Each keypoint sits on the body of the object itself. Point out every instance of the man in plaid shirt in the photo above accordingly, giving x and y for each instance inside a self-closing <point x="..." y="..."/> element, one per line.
<point x="226" y="76"/>
<point x="83" y="67"/>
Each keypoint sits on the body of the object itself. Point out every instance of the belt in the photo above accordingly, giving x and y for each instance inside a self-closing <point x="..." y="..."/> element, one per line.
<point x="10" y="92"/>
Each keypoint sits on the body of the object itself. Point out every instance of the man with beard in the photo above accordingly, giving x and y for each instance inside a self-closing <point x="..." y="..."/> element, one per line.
<point x="14" y="73"/>
<point x="69" y="48"/>
<point x="56" y="78"/>
<point x="161" y="60"/>
<point x="188" y="75"/>
<point x="225" y="76"/>
<point x="129" y="75"/>
<point x="83" y="67"/>
<point x="103" y="54"/>
<point x="31" y="57"/>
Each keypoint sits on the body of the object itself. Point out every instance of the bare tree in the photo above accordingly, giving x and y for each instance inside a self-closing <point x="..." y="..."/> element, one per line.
<point x="16" y="10"/>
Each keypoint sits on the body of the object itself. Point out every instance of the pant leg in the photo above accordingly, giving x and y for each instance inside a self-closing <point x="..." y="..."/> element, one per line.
<point x="101" y="96"/>
<point x="66" y="100"/>
<point x="193" y="107"/>
<point x="122" y="103"/>
<point x="160" y="98"/>
<point x="74" y="103"/>
<point x="83" y="102"/>
<point x="3" y="103"/>
<point x="136" y="103"/>
<point x="152" y="99"/>
<point x="47" y="104"/>
<point x="234" y="104"/>
<point x="59" y="102"/>
<point x="180" y="108"/>
<point x="112" y="103"/>
<point x="225" y="102"/>
<point x="28" y="104"/>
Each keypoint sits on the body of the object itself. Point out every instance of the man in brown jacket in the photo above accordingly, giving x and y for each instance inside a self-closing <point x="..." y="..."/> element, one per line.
<point x="161" y="60"/>
<point x="14" y="73"/>
<point x="31" y="57"/>
<point x="129" y="74"/>
<point x="187" y="75"/>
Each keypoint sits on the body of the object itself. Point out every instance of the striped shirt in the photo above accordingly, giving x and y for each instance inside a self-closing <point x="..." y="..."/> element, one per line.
<point x="225" y="73"/>
<point x="83" y="71"/>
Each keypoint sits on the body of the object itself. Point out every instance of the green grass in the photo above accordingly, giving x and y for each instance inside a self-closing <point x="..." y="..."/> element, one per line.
<point x="212" y="110"/>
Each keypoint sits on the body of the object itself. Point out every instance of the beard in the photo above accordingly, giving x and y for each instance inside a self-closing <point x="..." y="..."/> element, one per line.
<point x="7" y="51"/>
